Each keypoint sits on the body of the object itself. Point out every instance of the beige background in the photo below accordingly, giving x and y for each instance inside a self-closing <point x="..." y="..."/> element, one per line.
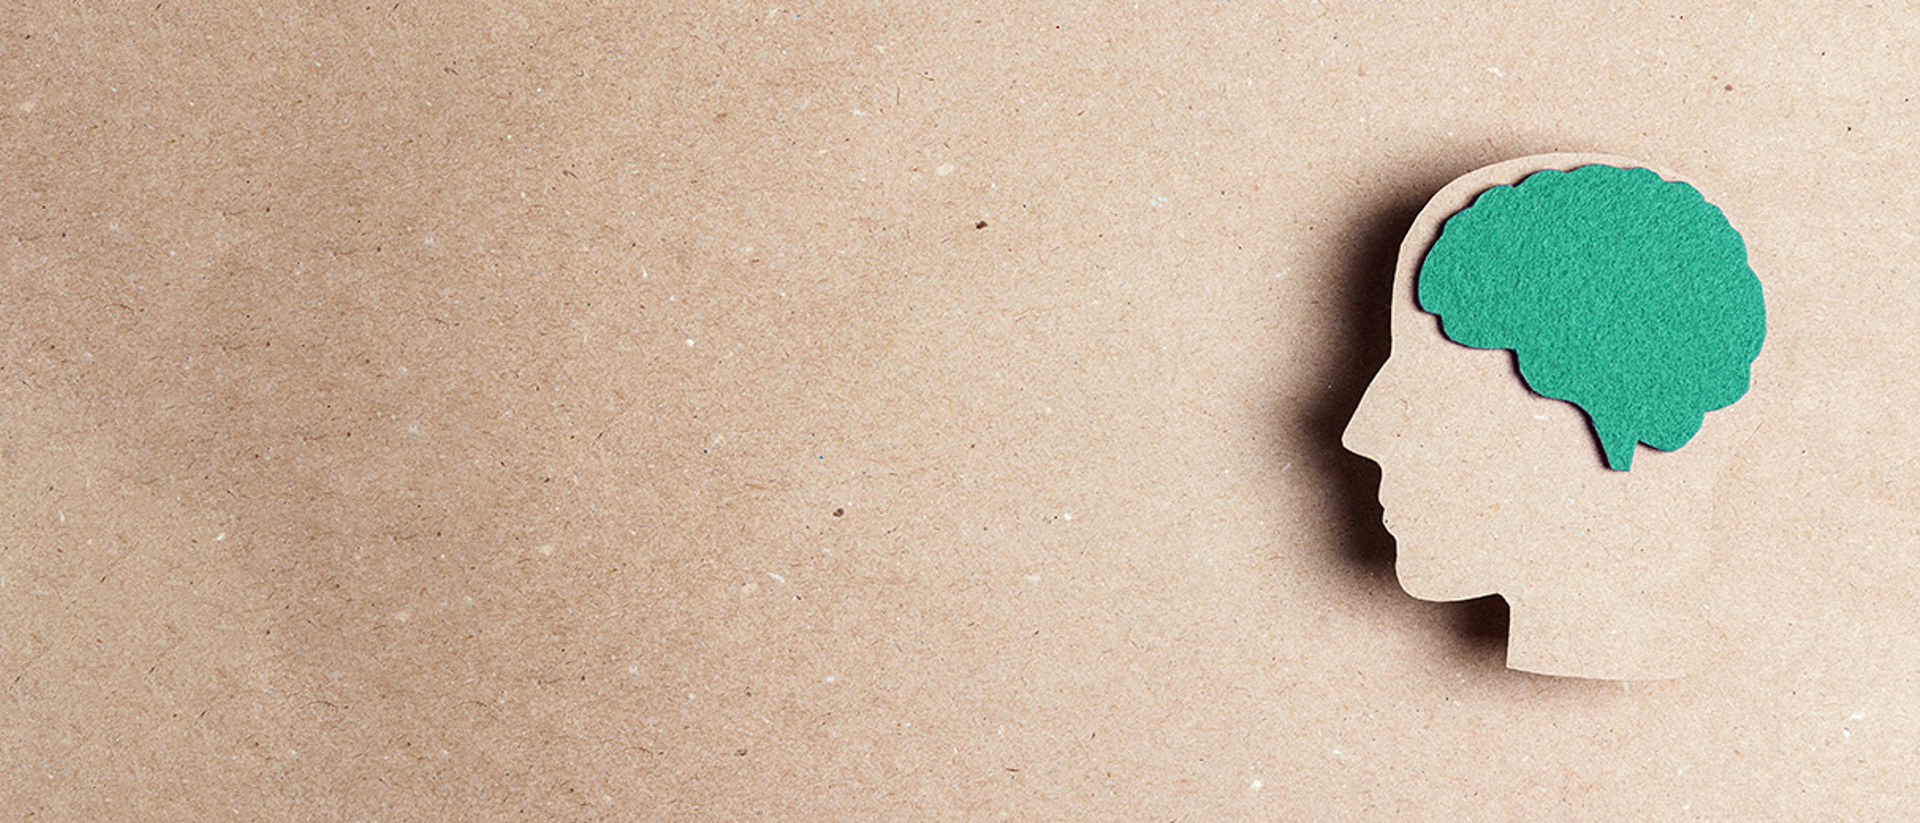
<point x="414" y="411"/>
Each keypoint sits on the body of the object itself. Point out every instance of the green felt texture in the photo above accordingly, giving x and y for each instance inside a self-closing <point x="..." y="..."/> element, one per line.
<point x="1620" y="292"/>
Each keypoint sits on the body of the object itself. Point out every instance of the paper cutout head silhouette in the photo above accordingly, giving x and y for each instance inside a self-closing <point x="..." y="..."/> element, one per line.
<point x="1485" y="427"/>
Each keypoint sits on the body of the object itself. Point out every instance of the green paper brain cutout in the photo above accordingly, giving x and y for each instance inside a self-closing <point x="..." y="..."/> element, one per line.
<point x="1618" y="291"/>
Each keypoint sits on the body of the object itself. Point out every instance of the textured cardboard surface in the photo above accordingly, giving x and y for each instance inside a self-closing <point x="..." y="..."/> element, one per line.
<point x="687" y="412"/>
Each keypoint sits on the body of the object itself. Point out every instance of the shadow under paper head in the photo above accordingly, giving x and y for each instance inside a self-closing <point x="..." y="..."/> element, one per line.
<point x="1618" y="291"/>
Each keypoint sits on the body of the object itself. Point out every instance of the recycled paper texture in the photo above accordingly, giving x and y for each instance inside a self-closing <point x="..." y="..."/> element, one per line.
<point x="419" y="411"/>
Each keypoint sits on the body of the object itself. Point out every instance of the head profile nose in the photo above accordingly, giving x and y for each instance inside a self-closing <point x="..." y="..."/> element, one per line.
<point x="1365" y="430"/>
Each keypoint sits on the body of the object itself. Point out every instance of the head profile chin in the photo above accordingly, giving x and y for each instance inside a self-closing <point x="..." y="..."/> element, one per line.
<point x="1435" y="589"/>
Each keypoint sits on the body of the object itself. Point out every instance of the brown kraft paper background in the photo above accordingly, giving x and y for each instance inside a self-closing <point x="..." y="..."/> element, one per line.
<point x="420" y="411"/>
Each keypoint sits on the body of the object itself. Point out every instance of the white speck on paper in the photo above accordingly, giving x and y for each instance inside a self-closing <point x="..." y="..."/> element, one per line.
<point x="946" y="169"/>
<point x="1256" y="785"/>
<point x="1495" y="72"/>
